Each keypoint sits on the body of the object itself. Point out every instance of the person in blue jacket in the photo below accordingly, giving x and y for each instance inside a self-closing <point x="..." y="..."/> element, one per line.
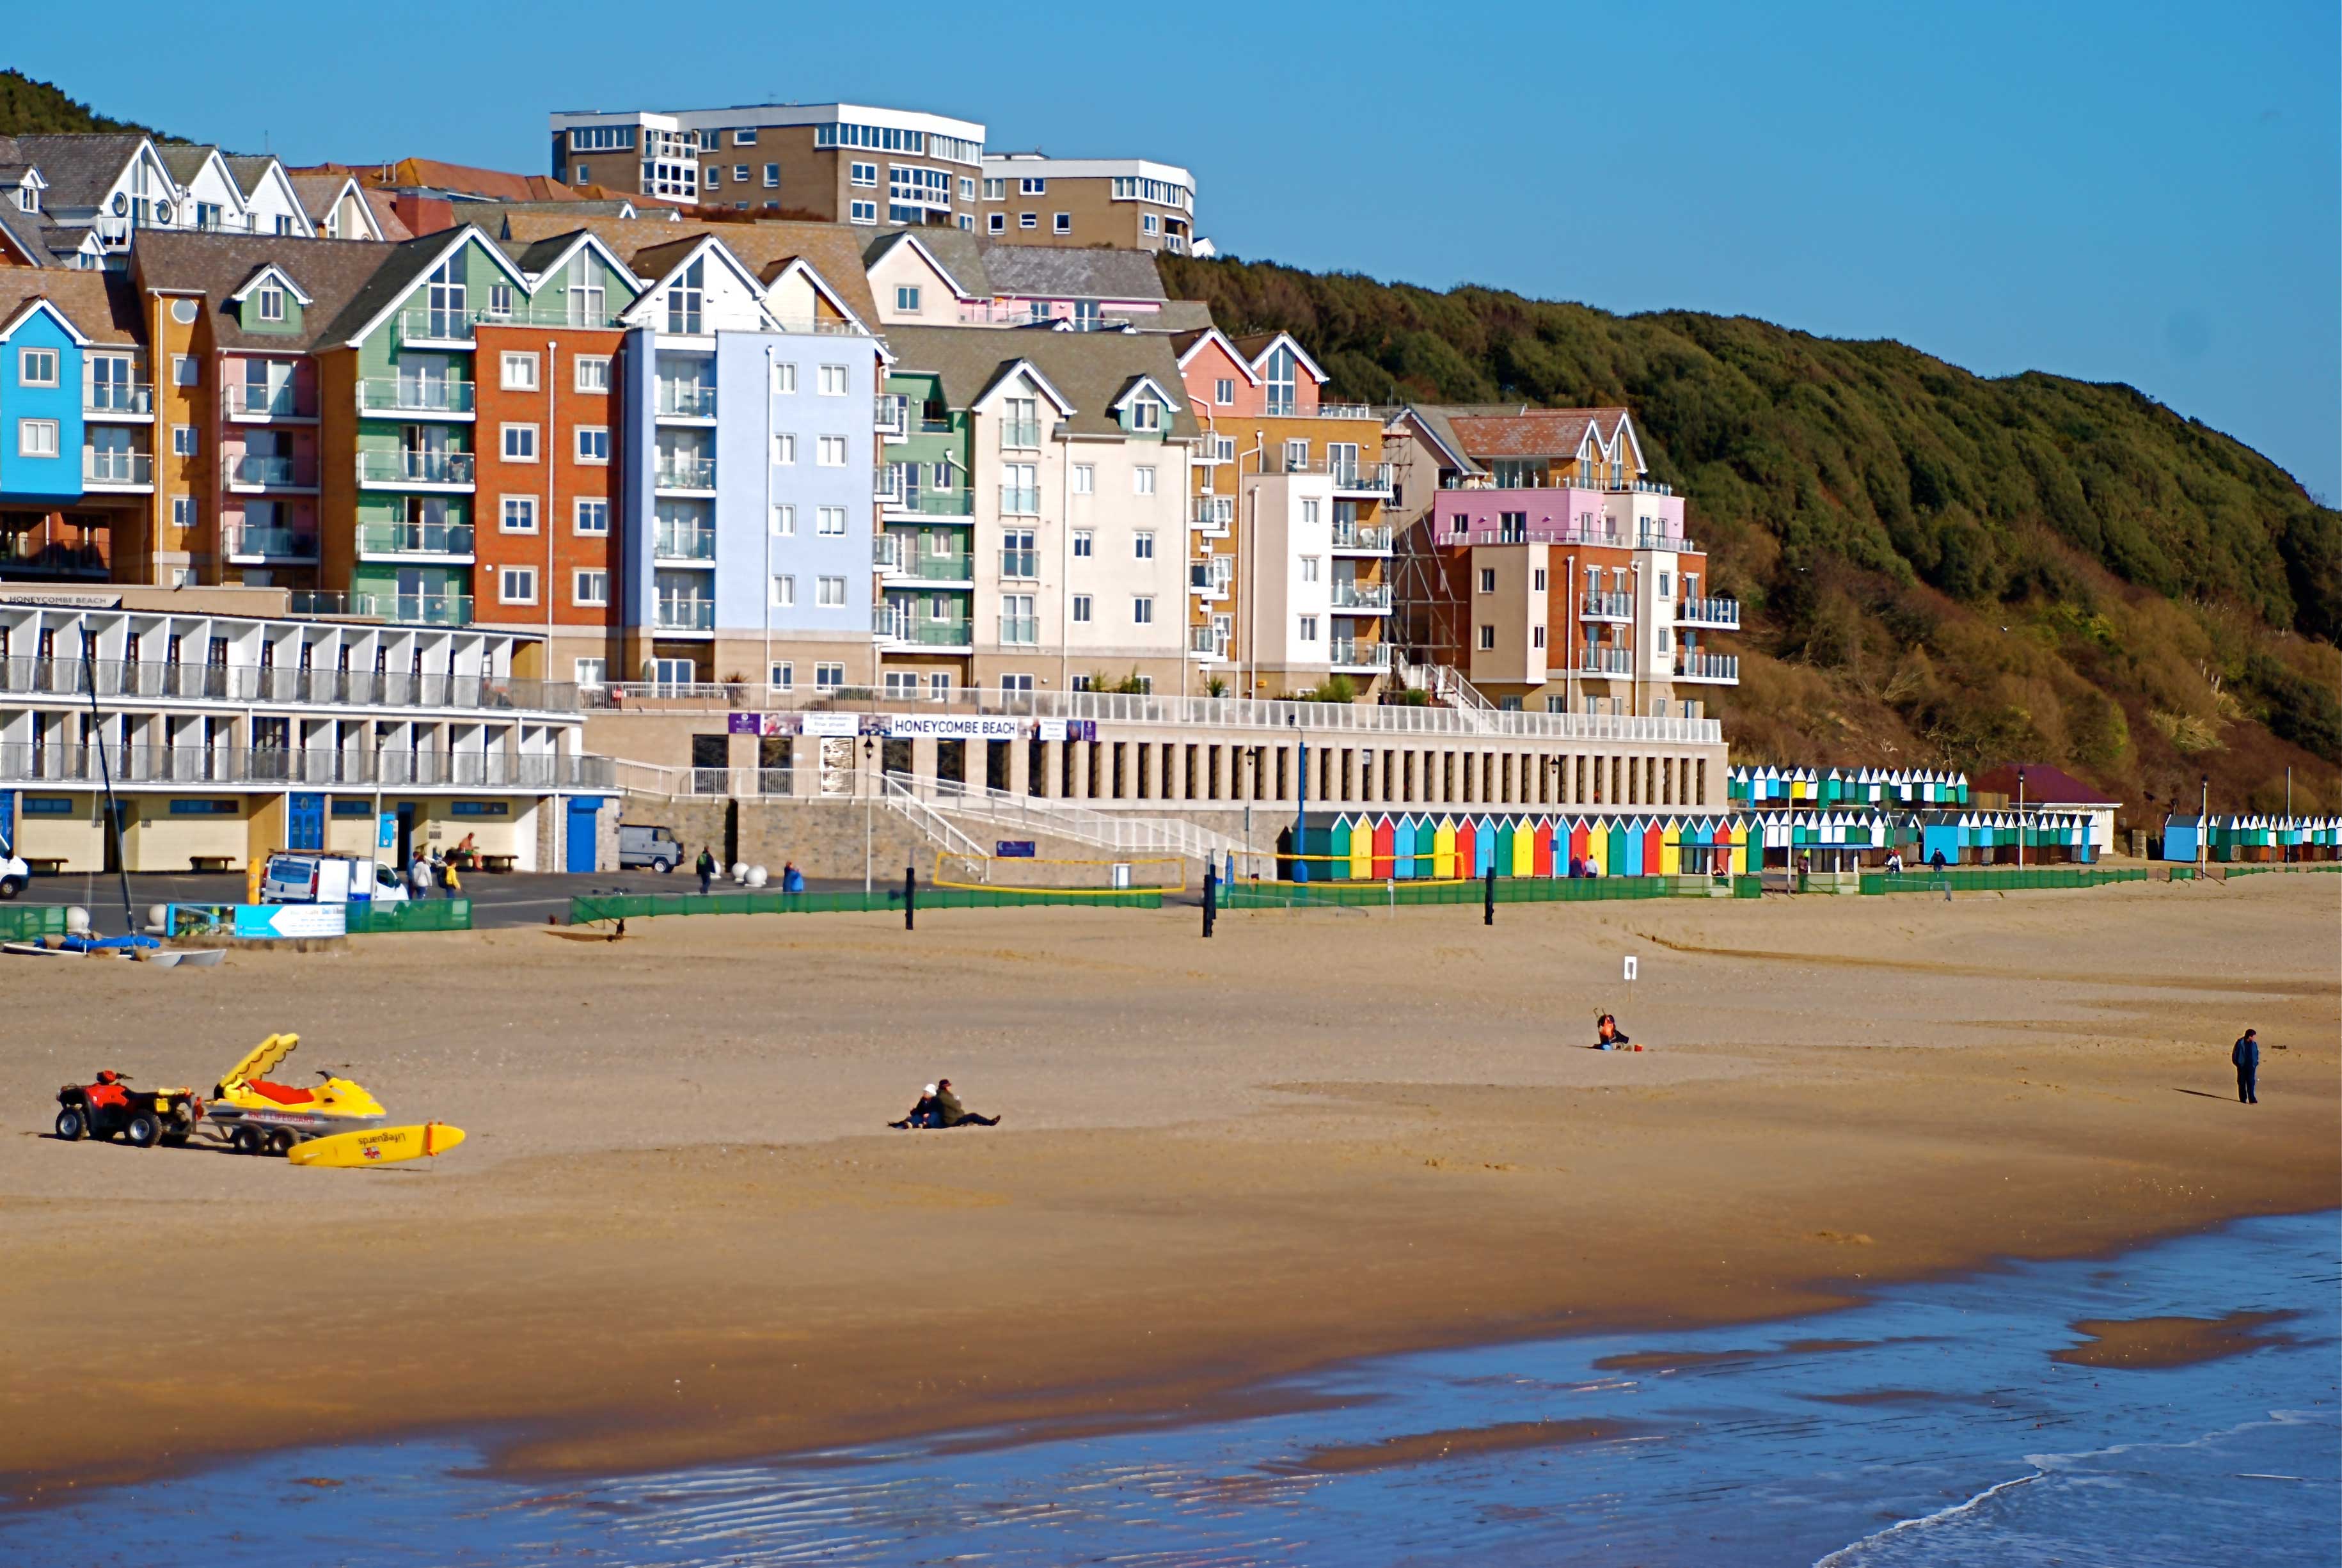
<point x="2246" y="1054"/>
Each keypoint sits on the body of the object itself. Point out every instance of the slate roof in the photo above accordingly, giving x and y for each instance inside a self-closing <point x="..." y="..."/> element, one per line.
<point x="103" y="305"/>
<point x="80" y="169"/>
<point x="1090" y="368"/>
<point x="185" y="160"/>
<point x="1053" y="272"/>
<point x="1539" y="433"/>
<point x="331" y="272"/>
<point x="833" y="250"/>
<point x="27" y="234"/>
<point x="249" y="172"/>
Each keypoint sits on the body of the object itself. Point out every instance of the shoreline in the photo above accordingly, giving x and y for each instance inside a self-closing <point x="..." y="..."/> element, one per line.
<point x="1217" y="1184"/>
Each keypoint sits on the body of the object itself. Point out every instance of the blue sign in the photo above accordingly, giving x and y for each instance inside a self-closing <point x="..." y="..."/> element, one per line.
<point x="280" y="921"/>
<point x="385" y="835"/>
<point x="1013" y="848"/>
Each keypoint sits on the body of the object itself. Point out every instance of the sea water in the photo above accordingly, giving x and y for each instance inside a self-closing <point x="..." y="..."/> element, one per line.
<point x="1929" y="1426"/>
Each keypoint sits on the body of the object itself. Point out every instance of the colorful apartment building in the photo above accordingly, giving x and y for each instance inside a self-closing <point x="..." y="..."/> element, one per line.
<point x="1288" y="549"/>
<point x="827" y="163"/>
<point x="76" y="424"/>
<point x="76" y="201"/>
<point x="1537" y="557"/>
<point x="1128" y="203"/>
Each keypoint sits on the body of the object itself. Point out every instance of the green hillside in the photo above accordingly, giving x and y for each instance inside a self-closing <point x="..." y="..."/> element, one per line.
<point x="36" y="108"/>
<point x="1938" y="568"/>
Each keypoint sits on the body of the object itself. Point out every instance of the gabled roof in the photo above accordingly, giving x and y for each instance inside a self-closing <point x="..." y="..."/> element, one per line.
<point x="550" y="254"/>
<point x="1142" y="382"/>
<point x="799" y="266"/>
<point x="80" y="169"/>
<point x="833" y="249"/>
<point x="465" y="179"/>
<point x="1025" y="372"/>
<point x="1191" y="344"/>
<point x="262" y="274"/>
<point x="1047" y="272"/>
<point x="655" y="264"/>
<point x="1550" y="433"/>
<point x="39" y="305"/>
<point x="1255" y="347"/>
<point x="1087" y="370"/>
<point x="879" y="250"/>
<point x="1431" y="422"/>
<point x="214" y="268"/>
<point x="101" y="306"/>
<point x="955" y="250"/>
<point x="398" y="277"/>
<point x="385" y="210"/>
<point x="24" y="237"/>
<point x="188" y="160"/>
<point x="321" y="194"/>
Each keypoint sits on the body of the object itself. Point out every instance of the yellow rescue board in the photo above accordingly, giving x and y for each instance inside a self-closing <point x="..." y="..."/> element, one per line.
<point x="376" y="1146"/>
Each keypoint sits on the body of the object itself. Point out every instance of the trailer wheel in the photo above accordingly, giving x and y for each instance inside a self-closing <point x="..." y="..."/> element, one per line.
<point x="247" y="1140"/>
<point x="280" y="1142"/>
<point x="72" y="1127"/>
<point x="142" y="1131"/>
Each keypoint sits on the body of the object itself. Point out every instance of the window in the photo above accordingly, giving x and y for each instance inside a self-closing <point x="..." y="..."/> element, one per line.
<point x="1018" y="624"/>
<point x="1142" y="546"/>
<point x="589" y="672"/>
<point x="784" y="448"/>
<point x="183" y="371"/>
<point x="1083" y="538"/>
<point x="593" y="443"/>
<point x="593" y="517"/>
<point x="1487" y="638"/>
<point x="1081" y="608"/>
<point x="1224" y="448"/>
<point x="745" y="137"/>
<point x="1309" y="568"/>
<point x="1084" y="479"/>
<point x="1142" y="610"/>
<point x="593" y="373"/>
<point x="183" y="512"/>
<point x="1007" y="683"/>
<point x="1281" y="365"/>
<point x="785" y="592"/>
<point x="785" y="377"/>
<point x="829" y="521"/>
<point x="996" y="223"/>
<point x="182" y="441"/>
<point x="1308" y="628"/>
<point x="830" y="453"/>
<point x="517" y="515"/>
<point x="834" y="381"/>
<point x="1147" y="415"/>
<point x="37" y="366"/>
<point x="520" y="442"/>
<point x="1663" y="585"/>
<point x="1142" y="480"/>
<point x="500" y="300"/>
<point x="36" y="438"/>
<point x="1032" y="187"/>
<point x="1309" y="511"/>
<point x="865" y="174"/>
<point x="939" y="681"/>
<point x="590" y="590"/>
<point x="1064" y="223"/>
<point x="1537" y="580"/>
<point x="1488" y="579"/>
<point x="784" y="522"/>
<point x="863" y="212"/>
<point x="517" y="585"/>
<point x="829" y="593"/>
<point x="996" y="190"/>
<point x="1536" y="636"/>
<point x="1223" y="391"/>
<point x="784" y="677"/>
<point x="686" y="300"/>
<point x="740" y="174"/>
<point x="829" y="678"/>
<point x="271" y="301"/>
<point x="906" y="298"/>
<point x="1028" y="220"/>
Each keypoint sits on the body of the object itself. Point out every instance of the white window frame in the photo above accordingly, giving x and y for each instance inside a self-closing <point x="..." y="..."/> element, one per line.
<point x="785" y="449"/>
<point x="784" y="591"/>
<point x="506" y="577"/>
<point x="527" y="435"/>
<point x="596" y="506"/>
<point x="829" y="593"/>
<point x="785" y="377"/>
<point x="829" y="521"/>
<point x="835" y="381"/>
<point x="590" y="673"/>
<point x="1081" y="609"/>
<point x="585" y="433"/>
<point x="830" y="452"/>
<point x="517" y="370"/>
<point x="26" y="358"/>
<point x="504" y="509"/>
<point x="996" y="223"/>
<point x="270" y="302"/>
<point x="782" y="676"/>
<point x="1085" y="540"/>
<point x="1028" y="220"/>
<point x="862" y="176"/>
<point x="1310" y="564"/>
<point x="783" y="520"/>
<point x="589" y="588"/>
<point x="906" y="298"/>
<point x="862" y="212"/>
<point x="1084" y="479"/>
<point x="1142" y="545"/>
<point x="182" y="441"/>
<point x="828" y="676"/>
<point x="1224" y="392"/>
<point x="1062" y="224"/>
<point x="1307" y="631"/>
<point x="1142" y="609"/>
<point x="1142" y="479"/>
<point x="591" y="372"/>
<point x="186" y="370"/>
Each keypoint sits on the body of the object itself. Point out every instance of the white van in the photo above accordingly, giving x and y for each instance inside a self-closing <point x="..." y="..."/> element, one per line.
<point x="329" y="879"/>
<point x="14" y="873"/>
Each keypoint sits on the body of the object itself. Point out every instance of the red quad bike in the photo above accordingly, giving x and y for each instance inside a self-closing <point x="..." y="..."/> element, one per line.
<point x="142" y="1118"/>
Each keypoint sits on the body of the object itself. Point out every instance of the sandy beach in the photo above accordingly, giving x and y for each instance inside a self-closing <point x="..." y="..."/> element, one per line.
<point x="679" y="1232"/>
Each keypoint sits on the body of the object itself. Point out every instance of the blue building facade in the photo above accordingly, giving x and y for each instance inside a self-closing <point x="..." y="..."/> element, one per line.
<point x="41" y="420"/>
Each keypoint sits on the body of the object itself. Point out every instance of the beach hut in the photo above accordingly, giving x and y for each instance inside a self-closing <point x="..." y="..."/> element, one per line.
<point x="1664" y="852"/>
<point x="1403" y="860"/>
<point x="1442" y="848"/>
<point x="1524" y="849"/>
<point x="1498" y="854"/>
<point x="1579" y="836"/>
<point x="1385" y="848"/>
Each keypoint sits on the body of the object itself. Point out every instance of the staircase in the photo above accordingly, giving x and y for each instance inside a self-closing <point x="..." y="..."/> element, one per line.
<point x="1447" y="686"/>
<point x="1119" y="832"/>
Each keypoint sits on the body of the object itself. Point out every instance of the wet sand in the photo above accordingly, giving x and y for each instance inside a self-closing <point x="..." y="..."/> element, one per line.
<point x="2150" y="1343"/>
<point x="678" y="1232"/>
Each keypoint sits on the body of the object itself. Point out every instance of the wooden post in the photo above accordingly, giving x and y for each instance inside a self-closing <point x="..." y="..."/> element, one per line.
<point x="1488" y="903"/>
<point x="910" y="897"/>
<point x="1211" y="895"/>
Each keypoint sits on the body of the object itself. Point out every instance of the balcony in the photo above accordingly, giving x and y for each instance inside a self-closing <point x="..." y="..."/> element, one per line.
<point x="683" y="616"/>
<point x="265" y="545"/>
<point x="1607" y="607"/>
<point x="1020" y="563"/>
<point x="1210" y="574"/>
<point x="247" y="683"/>
<point x="1349" y="654"/>
<point x="1597" y="484"/>
<point x="1597" y="660"/>
<point x="1215" y="514"/>
<point x="1721" y="669"/>
<point x="929" y="503"/>
<point x="245" y="400"/>
<point x="686" y="400"/>
<point x="416" y="470"/>
<point x="1361" y="478"/>
<point x="1022" y="435"/>
<point x="683" y="542"/>
<point x="1721" y="614"/>
<point x="896" y="624"/>
<point x="1017" y="502"/>
<point x="1020" y="631"/>
<point x="901" y="558"/>
<point x="1361" y="597"/>
<point x="1346" y="410"/>
<point x="420" y="324"/>
<point x="1207" y="641"/>
<point x="133" y="765"/>
<point x="244" y="471"/>
<point x="414" y="609"/>
<point x="400" y="541"/>
<point x="1653" y="539"/>
<point x="106" y="469"/>
<point x="119" y="399"/>
<point x="1357" y="539"/>
<point x="891" y="415"/>
<point x="681" y="471"/>
<point x="446" y="399"/>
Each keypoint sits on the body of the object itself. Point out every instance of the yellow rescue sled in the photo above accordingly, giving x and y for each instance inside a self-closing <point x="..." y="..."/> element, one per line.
<point x="376" y="1146"/>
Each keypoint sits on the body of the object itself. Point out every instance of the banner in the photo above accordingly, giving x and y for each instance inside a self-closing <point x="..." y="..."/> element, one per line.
<point x="952" y="727"/>
<point x="760" y="724"/>
<point x="1049" y="729"/>
<point x="829" y="725"/>
<point x="281" y="922"/>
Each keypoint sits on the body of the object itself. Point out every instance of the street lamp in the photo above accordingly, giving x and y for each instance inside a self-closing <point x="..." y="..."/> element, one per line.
<point x="1300" y="798"/>
<point x="2020" y="819"/>
<point x="2204" y="822"/>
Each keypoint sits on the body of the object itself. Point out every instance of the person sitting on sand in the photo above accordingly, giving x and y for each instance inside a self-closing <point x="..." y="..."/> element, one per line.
<point x="922" y="1113"/>
<point x="1608" y="1036"/>
<point x="950" y="1113"/>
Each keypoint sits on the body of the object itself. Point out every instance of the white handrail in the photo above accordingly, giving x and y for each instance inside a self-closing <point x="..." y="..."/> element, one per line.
<point x="927" y="820"/>
<point x="1069" y="819"/>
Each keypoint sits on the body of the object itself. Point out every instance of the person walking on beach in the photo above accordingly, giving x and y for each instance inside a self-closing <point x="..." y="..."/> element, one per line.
<point x="418" y="875"/>
<point x="454" y="881"/>
<point x="2246" y="1054"/>
<point x="950" y="1113"/>
<point x="705" y="866"/>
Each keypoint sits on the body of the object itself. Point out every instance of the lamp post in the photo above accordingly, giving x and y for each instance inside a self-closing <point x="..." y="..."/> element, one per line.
<point x="869" y="803"/>
<point x="1300" y="798"/>
<point x="2204" y="822"/>
<point x="2020" y="819"/>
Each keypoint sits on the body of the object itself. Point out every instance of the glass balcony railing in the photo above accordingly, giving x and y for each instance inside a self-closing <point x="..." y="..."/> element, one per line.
<point x="1020" y="631"/>
<point x="415" y="609"/>
<point x="1208" y="641"/>
<point x="244" y="471"/>
<point x="1020" y="563"/>
<point x="414" y="469"/>
<point x="1361" y="538"/>
<point x="118" y="397"/>
<point x="415" y="539"/>
<point x="1351" y="653"/>
<point x="456" y="323"/>
<point x="679" y="542"/>
<point x="1362" y="595"/>
<point x="671" y="614"/>
<point x="1018" y="501"/>
<point x="929" y="503"/>
<point x="102" y="466"/>
<point x="686" y="400"/>
<point x="897" y="623"/>
<point x="893" y="415"/>
<point x="1724" y="612"/>
<point x="1020" y="433"/>
<point x="683" y="472"/>
<point x="1594" y="660"/>
<point x="1697" y="667"/>
<point x="245" y="400"/>
<point x="1607" y="607"/>
<point x="270" y="543"/>
<point x="412" y="394"/>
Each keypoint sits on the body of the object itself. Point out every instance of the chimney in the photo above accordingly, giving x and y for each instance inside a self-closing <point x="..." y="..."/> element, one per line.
<point x="424" y="215"/>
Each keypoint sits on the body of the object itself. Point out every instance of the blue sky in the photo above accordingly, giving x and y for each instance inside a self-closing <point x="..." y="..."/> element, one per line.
<point x="2140" y="192"/>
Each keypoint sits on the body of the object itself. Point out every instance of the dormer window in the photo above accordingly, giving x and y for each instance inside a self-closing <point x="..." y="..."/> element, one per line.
<point x="1147" y="415"/>
<point x="686" y="300"/>
<point x="271" y="302"/>
<point x="28" y="197"/>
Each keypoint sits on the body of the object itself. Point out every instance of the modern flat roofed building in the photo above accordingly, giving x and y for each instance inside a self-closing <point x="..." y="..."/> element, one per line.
<point x="831" y="163"/>
<point x="1131" y="204"/>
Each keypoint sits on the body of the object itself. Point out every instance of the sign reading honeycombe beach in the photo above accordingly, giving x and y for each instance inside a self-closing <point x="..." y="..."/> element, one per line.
<point x="952" y="727"/>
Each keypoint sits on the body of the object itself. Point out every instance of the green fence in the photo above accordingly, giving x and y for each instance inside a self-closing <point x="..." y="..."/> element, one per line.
<point x="643" y="906"/>
<point x="417" y="915"/>
<point x="1979" y="879"/>
<point x="1386" y="894"/>
<point x="1747" y="887"/>
<point x="24" y="921"/>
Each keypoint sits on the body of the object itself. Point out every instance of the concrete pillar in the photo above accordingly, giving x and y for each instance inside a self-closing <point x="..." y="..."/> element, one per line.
<point x="1079" y="751"/>
<point x="1150" y="769"/>
<point x="922" y="763"/>
<point x="1020" y="767"/>
<point x="1053" y="769"/>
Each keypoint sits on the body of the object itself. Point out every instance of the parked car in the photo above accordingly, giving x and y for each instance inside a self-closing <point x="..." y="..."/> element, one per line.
<point x="641" y="844"/>
<point x="297" y="878"/>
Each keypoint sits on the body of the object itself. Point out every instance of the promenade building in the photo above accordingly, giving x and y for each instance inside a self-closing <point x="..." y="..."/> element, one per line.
<point x="1128" y="203"/>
